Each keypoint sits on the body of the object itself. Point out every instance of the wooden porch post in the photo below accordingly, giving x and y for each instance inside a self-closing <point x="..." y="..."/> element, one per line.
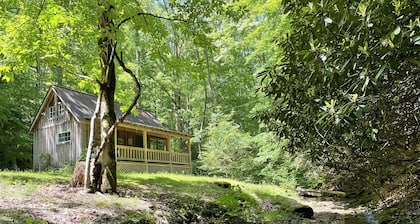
<point x="116" y="144"/>
<point x="145" y="149"/>
<point x="189" y="149"/>
<point x="169" y="148"/>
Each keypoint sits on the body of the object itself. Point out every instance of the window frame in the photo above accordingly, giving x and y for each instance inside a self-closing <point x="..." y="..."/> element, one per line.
<point x="51" y="112"/>
<point x="61" y="110"/>
<point x="63" y="137"/>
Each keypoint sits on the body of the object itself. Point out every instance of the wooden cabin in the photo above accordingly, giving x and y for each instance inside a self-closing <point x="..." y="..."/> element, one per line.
<point x="61" y="133"/>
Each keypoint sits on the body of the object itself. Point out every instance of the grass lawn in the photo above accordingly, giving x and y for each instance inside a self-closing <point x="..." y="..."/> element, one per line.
<point x="41" y="197"/>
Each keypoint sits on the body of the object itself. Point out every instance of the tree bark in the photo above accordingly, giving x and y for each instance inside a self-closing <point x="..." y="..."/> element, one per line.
<point x="107" y="46"/>
<point x="87" y="179"/>
<point x="101" y="169"/>
<point x="107" y="156"/>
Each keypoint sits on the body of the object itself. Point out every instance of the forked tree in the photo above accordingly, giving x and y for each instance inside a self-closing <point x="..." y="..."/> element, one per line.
<point x="65" y="34"/>
<point x="109" y="23"/>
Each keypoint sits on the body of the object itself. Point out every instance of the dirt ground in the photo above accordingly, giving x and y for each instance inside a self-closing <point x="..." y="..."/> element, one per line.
<point x="61" y="204"/>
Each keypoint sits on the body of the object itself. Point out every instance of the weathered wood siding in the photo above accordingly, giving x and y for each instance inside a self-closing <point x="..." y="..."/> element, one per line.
<point x="46" y="149"/>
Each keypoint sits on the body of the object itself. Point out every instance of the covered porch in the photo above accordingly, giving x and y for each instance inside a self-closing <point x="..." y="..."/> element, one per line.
<point x="146" y="149"/>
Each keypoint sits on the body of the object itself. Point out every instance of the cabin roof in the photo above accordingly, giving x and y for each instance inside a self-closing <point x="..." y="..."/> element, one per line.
<point x="82" y="107"/>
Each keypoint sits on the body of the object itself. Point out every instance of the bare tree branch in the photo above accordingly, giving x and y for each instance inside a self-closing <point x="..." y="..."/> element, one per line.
<point x="138" y="86"/>
<point x="82" y="76"/>
<point x="151" y="15"/>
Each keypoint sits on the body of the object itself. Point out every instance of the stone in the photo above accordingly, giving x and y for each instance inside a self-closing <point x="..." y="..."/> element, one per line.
<point x="223" y="184"/>
<point x="304" y="211"/>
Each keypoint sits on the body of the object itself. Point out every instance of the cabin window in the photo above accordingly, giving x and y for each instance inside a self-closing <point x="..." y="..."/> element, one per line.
<point x="138" y="140"/>
<point x="60" y="109"/>
<point x="129" y="139"/>
<point x="51" y="113"/>
<point x="63" y="137"/>
<point x="156" y="143"/>
<point x="179" y="145"/>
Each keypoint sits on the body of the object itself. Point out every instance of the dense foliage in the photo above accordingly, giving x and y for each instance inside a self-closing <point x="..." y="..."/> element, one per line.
<point x="346" y="90"/>
<point x="262" y="158"/>
<point x="16" y="108"/>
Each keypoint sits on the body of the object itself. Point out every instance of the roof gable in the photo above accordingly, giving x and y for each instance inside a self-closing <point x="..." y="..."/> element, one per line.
<point x="82" y="107"/>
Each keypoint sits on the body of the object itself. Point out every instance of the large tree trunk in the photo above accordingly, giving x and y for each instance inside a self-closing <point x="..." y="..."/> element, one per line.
<point x="101" y="170"/>
<point x="107" y="157"/>
<point x="107" y="47"/>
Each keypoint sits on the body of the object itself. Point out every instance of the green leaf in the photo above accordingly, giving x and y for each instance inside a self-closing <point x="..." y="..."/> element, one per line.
<point x="380" y="72"/>
<point x="362" y="9"/>
<point x="416" y="40"/>
<point x="397" y="30"/>
<point x="414" y="61"/>
<point x="327" y="21"/>
<point x="366" y="83"/>
<point x="322" y="118"/>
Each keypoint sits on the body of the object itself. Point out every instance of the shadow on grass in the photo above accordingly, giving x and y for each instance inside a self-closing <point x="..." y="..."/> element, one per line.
<point x="16" y="216"/>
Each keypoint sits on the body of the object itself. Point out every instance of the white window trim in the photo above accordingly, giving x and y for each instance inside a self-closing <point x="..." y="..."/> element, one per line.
<point x="61" y="110"/>
<point x="51" y="112"/>
<point x="64" y="139"/>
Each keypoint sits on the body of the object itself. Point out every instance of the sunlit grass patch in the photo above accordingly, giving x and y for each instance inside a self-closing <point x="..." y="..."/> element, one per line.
<point x="22" y="183"/>
<point x="197" y="184"/>
<point x="23" y="177"/>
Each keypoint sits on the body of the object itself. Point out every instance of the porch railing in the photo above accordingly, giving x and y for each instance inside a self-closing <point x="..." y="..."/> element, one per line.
<point x="129" y="153"/>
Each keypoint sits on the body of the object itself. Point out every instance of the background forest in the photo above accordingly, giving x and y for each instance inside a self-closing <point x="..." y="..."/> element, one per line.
<point x="293" y="92"/>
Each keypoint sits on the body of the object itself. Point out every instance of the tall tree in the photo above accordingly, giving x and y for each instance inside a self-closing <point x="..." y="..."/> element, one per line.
<point x="109" y="31"/>
<point x="53" y="26"/>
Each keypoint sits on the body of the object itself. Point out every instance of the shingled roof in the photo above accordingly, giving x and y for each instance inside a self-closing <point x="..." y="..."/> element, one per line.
<point x="82" y="107"/>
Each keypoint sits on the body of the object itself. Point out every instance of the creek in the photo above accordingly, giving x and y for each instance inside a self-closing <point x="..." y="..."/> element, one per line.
<point x="329" y="211"/>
